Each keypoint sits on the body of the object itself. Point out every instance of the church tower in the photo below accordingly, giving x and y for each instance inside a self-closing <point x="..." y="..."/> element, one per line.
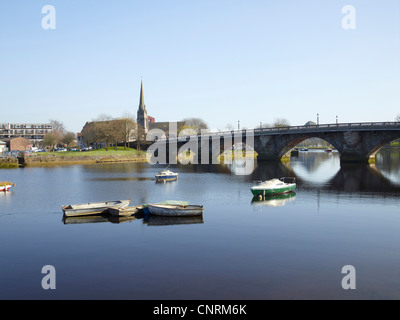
<point x="142" y="119"/>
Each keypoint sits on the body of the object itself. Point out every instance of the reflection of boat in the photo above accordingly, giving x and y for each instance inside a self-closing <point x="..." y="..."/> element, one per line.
<point x="274" y="186"/>
<point x="122" y="212"/>
<point x="166" y="175"/>
<point x="93" y="208"/>
<point x="6" y="185"/>
<point x="167" y="221"/>
<point x="171" y="210"/>
<point x="84" y="219"/>
<point x="120" y="219"/>
<point x="176" y="202"/>
<point x="275" y="200"/>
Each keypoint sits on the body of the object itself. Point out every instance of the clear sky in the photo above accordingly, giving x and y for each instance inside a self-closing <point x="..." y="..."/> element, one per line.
<point x="220" y="60"/>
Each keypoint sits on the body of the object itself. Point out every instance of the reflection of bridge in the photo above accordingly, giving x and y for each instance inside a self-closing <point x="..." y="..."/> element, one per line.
<point x="356" y="142"/>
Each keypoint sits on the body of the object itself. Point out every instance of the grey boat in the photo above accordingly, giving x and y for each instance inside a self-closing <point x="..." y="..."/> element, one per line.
<point x="172" y="210"/>
<point x="93" y="208"/>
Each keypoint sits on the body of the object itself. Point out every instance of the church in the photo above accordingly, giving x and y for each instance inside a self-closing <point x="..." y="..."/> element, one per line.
<point x="148" y="123"/>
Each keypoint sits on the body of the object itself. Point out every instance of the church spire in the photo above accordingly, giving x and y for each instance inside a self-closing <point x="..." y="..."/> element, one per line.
<point x="142" y="118"/>
<point x="141" y="102"/>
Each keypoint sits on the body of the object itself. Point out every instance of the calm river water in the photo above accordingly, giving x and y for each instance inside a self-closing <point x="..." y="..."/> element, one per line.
<point x="283" y="248"/>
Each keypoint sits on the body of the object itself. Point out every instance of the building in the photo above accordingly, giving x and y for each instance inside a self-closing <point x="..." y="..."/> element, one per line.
<point x="16" y="144"/>
<point x="149" y="123"/>
<point x="142" y="119"/>
<point x="3" y="147"/>
<point x="33" y="132"/>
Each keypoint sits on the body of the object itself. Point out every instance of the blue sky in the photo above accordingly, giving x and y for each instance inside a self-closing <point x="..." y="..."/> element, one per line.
<point x="223" y="61"/>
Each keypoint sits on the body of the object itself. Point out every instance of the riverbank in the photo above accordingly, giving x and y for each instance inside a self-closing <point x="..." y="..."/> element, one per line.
<point x="87" y="157"/>
<point x="8" y="163"/>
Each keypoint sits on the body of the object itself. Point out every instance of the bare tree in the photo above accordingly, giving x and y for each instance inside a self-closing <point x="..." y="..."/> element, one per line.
<point x="128" y="126"/>
<point x="68" y="138"/>
<point x="281" y="122"/>
<point x="398" y="118"/>
<point x="51" y="139"/>
<point x="196" y="124"/>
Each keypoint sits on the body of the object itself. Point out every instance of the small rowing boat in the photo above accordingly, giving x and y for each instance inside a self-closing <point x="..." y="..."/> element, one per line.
<point x="174" y="210"/>
<point x="93" y="208"/>
<point x="6" y="185"/>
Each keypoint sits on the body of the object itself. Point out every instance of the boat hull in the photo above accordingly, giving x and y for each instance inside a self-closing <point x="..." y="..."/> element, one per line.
<point x="5" y="185"/>
<point x="93" y="208"/>
<point x="5" y="188"/>
<point x="163" y="178"/>
<point x="175" y="210"/>
<point x="270" y="192"/>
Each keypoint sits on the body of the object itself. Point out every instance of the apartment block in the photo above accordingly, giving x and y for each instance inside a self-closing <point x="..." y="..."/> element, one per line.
<point x="33" y="132"/>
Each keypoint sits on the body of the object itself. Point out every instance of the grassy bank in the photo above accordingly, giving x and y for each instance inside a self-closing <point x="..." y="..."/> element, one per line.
<point x="80" y="157"/>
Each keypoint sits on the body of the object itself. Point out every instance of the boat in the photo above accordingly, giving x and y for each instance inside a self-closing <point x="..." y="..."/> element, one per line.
<point x="166" y="175"/>
<point x="304" y="149"/>
<point x="122" y="212"/>
<point x="328" y="150"/>
<point x="176" y="202"/>
<point x="6" y="185"/>
<point x="93" y="208"/>
<point x="174" y="210"/>
<point x="274" y="186"/>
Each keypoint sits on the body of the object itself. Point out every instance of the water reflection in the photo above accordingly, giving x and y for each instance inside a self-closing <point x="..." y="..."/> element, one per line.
<point x="146" y="219"/>
<point x="387" y="161"/>
<point x="151" y="220"/>
<point x="274" y="201"/>
<point x="317" y="167"/>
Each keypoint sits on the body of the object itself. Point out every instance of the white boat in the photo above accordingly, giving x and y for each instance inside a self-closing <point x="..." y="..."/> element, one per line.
<point x="93" y="208"/>
<point x="274" y="186"/>
<point x="6" y="185"/>
<point x="173" y="210"/>
<point x="166" y="175"/>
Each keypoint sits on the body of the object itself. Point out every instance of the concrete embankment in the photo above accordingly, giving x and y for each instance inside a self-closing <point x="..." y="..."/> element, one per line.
<point x="62" y="160"/>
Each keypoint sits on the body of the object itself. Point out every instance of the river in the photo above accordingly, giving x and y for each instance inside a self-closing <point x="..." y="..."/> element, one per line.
<point x="291" y="247"/>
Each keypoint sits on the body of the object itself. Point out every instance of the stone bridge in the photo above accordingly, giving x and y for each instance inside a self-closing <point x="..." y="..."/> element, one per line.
<point x="356" y="142"/>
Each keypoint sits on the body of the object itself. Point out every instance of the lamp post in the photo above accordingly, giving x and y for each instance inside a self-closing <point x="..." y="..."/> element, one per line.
<point x="337" y="120"/>
<point x="238" y="125"/>
<point x="317" y="119"/>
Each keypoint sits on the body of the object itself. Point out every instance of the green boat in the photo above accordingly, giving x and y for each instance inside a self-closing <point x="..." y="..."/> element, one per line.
<point x="274" y="186"/>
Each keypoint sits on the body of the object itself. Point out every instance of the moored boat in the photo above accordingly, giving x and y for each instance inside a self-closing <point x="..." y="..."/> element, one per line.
<point x="6" y="185"/>
<point x="93" y="208"/>
<point x="175" y="202"/>
<point x="274" y="186"/>
<point x="172" y="210"/>
<point x="166" y="175"/>
<point x="328" y="150"/>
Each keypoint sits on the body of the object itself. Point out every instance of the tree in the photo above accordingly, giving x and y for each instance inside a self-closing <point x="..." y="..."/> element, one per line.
<point x="128" y="126"/>
<point x="68" y="138"/>
<point x="398" y="118"/>
<point x="281" y="122"/>
<point x="50" y="140"/>
<point x="196" y="124"/>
